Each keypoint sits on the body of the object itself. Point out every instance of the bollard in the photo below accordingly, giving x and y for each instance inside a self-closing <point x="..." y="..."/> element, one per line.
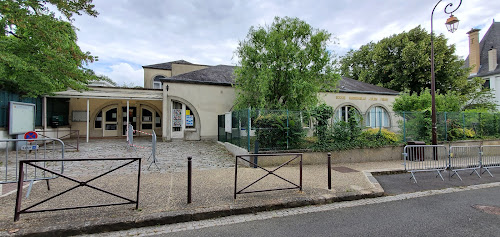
<point x="256" y="151"/>
<point x="189" y="180"/>
<point x="329" y="171"/>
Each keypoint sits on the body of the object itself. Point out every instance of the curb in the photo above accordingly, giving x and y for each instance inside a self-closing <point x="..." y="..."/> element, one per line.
<point x="190" y="215"/>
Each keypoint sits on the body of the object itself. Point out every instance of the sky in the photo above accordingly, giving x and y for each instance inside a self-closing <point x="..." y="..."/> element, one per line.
<point x="128" y="34"/>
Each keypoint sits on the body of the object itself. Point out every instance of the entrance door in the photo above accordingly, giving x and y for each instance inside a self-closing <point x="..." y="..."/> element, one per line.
<point x="178" y="119"/>
<point x="132" y="119"/>
<point x="147" y="120"/>
<point x="110" y="123"/>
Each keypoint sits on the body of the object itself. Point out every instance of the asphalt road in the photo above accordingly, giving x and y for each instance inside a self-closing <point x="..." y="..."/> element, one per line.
<point x="450" y="214"/>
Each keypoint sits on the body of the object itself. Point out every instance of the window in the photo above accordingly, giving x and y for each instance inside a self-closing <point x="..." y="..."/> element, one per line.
<point x="377" y="117"/>
<point x="156" y="85"/>
<point x="342" y="114"/>
<point x="190" y="122"/>
<point x="158" y="120"/>
<point x="486" y="83"/>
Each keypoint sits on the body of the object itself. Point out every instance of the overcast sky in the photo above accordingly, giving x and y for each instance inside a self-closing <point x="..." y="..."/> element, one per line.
<point x="128" y="34"/>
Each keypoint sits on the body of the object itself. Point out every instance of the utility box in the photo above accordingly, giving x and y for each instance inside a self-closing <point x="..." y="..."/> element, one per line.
<point x="416" y="153"/>
<point x="55" y="121"/>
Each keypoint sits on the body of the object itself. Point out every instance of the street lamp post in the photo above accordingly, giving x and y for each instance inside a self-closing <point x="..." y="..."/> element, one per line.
<point x="452" y="25"/>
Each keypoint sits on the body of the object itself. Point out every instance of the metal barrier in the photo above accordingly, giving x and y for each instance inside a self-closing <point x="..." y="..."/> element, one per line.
<point x="421" y="158"/>
<point x="490" y="157"/>
<point x="465" y="158"/>
<point x="269" y="172"/>
<point x="130" y="143"/>
<point x="16" y="150"/>
<point x="68" y="134"/>
<point x="18" y="211"/>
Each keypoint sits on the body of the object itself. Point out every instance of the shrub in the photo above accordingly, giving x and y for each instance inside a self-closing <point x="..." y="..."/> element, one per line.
<point x="379" y="137"/>
<point x="322" y="113"/>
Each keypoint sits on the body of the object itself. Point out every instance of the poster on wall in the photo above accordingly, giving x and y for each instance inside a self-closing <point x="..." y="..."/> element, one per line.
<point x="176" y="118"/>
<point x="189" y="121"/>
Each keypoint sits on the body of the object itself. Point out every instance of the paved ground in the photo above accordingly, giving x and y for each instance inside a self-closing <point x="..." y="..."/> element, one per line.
<point x="171" y="156"/>
<point x="468" y="211"/>
<point x="163" y="191"/>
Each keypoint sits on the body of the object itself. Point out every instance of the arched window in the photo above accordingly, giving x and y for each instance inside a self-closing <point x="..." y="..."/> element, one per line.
<point x="377" y="117"/>
<point x="342" y="113"/>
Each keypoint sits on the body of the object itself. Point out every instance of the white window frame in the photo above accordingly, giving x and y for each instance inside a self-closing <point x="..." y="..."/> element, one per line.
<point x="156" y="85"/>
<point x="381" y="117"/>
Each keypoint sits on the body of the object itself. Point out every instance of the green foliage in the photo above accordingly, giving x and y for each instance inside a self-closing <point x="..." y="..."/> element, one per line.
<point x="406" y="101"/>
<point x="378" y="137"/>
<point x="457" y="132"/>
<point x="38" y="51"/>
<point x="401" y="62"/>
<point x="273" y="132"/>
<point x="322" y="113"/>
<point x="478" y="97"/>
<point x="284" y="66"/>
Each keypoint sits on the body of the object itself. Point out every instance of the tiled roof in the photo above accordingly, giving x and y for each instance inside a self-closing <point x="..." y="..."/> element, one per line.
<point x="354" y="86"/>
<point x="224" y="75"/>
<point x="220" y="75"/>
<point x="490" y="40"/>
<point x="167" y="65"/>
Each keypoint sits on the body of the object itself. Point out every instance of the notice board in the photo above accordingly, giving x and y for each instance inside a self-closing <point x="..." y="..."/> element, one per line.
<point x="21" y="117"/>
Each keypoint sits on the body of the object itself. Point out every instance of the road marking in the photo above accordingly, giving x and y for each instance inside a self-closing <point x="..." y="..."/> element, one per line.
<point x="229" y="220"/>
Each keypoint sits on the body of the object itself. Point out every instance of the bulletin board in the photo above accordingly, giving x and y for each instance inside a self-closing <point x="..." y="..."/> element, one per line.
<point x="21" y="117"/>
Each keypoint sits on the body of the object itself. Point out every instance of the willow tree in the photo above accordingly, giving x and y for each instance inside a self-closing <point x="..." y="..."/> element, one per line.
<point x="38" y="51"/>
<point x="284" y="66"/>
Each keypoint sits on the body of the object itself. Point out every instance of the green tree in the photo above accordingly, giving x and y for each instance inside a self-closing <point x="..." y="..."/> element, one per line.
<point x="284" y="66"/>
<point x="38" y="51"/>
<point x="478" y="97"/>
<point x="402" y="61"/>
<point x="413" y="102"/>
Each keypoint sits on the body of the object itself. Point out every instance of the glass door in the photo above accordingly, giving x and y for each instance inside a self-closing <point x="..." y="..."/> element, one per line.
<point x="177" y="119"/>
<point x="147" y="120"/>
<point x="110" y="123"/>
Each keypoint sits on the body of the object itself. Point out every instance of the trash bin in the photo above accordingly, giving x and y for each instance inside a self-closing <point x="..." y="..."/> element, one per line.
<point x="416" y="153"/>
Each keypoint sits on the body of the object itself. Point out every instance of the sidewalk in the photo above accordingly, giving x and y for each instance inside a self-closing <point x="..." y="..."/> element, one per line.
<point x="163" y="197"/>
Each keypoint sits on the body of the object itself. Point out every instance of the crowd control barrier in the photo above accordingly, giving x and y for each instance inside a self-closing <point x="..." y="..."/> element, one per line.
<point x="421" y="158"/>
<point x="465" y="158"/>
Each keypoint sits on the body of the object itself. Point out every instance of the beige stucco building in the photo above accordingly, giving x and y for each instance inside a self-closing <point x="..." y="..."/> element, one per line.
<point x="181" y="100"/>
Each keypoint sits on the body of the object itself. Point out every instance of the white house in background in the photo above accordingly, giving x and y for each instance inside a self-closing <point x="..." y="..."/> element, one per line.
<point x="483" y="57"/>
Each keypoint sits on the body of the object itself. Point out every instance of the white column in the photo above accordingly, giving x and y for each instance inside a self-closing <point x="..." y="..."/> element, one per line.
<point x="165" y="115"/>
<point x="88" y="118"/>
<point x="128" y="121"/>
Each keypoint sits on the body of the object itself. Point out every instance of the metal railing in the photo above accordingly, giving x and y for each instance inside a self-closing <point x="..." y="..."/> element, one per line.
<point x="18" y="208"/>
<point x="490" y="157"/>
<point x="67" y="134"/>
<point x="16" y="150"/>
<point x="269" y="172"/>
<point x="459" y="158"/>
<point x="420" y="158"/>
<point x="465" y="158"/>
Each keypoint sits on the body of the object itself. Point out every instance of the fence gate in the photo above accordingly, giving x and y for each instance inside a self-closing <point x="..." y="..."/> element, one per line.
<point x="465" y="158"/>
<point x="490" y="157"/>
<point x="248" y="158"/>
<point x="15" y="150"/>
<point x="420" y="158"/>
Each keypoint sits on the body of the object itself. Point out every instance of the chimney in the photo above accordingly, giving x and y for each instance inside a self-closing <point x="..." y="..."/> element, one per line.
<point x="474" y="50"/>
<point x="492" y="59"/>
